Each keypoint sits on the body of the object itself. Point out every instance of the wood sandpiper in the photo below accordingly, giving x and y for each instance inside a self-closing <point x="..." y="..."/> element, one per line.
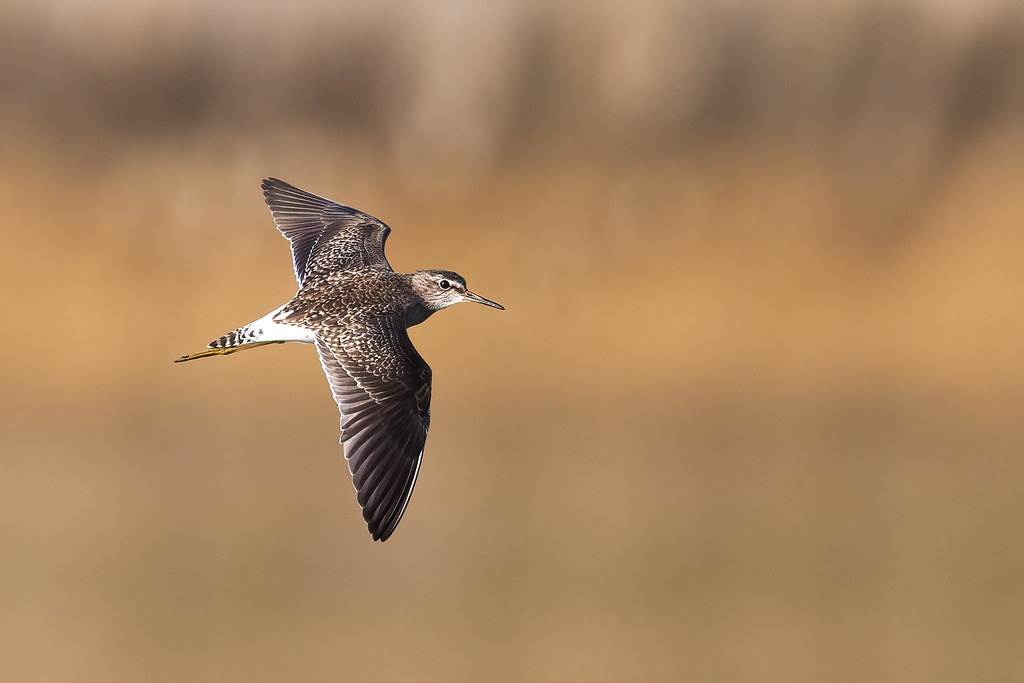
<point x="356" y="310"/>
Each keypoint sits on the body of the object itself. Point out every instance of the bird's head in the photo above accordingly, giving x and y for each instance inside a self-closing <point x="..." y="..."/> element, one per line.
<point x="441" y="288"/>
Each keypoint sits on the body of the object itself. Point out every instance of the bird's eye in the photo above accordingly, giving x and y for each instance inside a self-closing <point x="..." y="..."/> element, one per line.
<point x="444" y="284"/>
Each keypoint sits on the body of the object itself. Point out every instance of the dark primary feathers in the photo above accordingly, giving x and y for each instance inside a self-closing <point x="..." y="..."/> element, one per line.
<point x="382" y="387"/>
<point x="325" y="236"/>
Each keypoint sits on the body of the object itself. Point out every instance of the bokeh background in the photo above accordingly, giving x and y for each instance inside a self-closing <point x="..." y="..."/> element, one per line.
<point x="754" y="411"/>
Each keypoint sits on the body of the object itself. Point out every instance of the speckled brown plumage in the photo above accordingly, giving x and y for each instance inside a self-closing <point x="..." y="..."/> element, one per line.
<point x="356" y="309"/>
<point x="379" y="381"/>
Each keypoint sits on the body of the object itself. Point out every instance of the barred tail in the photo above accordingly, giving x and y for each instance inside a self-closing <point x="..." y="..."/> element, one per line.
<point x="259" y="333"/>
<point x="230" y="343"/>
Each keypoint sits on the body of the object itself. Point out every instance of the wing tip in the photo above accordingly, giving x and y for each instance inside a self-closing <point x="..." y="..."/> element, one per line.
<point x="384" y="531"/>
<point x="272" y="187"/>
<point x="386" y="525"/>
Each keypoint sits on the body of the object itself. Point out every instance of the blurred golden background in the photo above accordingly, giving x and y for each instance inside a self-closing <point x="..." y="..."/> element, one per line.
<point x="753" y="412"/>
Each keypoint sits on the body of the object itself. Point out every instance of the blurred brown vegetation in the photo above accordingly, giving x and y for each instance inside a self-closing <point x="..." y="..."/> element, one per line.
<point x="753" y="412"/>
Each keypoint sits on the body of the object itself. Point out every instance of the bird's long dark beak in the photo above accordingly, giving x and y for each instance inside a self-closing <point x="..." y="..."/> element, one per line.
<point x="470" y="296"/>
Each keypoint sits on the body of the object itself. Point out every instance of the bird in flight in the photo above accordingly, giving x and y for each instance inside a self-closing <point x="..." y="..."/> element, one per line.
<point x="355" y="309"/>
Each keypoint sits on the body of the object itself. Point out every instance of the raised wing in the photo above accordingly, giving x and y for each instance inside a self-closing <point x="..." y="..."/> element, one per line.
<point x="325" y="236"/>
<point x="382" y="387"/>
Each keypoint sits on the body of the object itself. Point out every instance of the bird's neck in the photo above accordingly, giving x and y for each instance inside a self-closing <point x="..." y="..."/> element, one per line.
<point x="416" y="314"/>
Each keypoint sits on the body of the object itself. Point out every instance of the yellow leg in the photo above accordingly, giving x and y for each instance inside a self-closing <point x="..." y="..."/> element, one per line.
<point x="225" y="350"/>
